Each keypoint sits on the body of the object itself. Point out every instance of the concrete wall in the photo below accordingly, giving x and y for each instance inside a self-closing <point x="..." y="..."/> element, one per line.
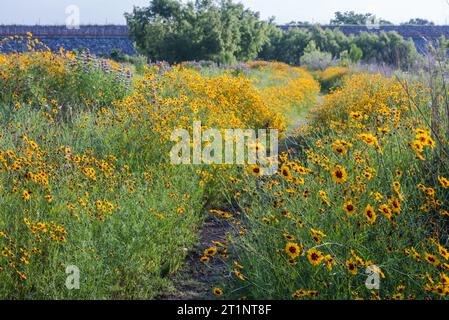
<point x="98" y="39"/>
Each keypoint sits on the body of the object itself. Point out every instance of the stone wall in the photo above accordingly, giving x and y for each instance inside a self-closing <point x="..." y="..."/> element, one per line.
<point x="98" y="39"/>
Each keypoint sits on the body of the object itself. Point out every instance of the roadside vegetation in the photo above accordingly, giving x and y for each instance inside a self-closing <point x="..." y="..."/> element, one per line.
<point x="87" y="181"/>
<point x="361" y="191"/>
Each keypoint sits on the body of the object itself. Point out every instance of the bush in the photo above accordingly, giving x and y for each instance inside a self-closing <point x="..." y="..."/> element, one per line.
<point x="314" y="59"/>
<point x="387" y="47"/>
<point x="382" y="48"/>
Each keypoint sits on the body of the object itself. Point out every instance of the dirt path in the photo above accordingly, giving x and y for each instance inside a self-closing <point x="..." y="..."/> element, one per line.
<point x="196" y="279"/>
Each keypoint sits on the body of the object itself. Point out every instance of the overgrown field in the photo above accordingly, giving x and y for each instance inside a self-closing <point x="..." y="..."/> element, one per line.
<point x="86" y="180"/>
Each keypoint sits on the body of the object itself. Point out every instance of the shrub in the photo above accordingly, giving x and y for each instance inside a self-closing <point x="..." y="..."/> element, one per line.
<point x="384" y="47"/>
<point x="314" y="59"/>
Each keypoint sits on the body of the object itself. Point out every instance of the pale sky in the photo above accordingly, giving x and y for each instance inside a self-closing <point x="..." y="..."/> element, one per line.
<point x="319" y="11"/>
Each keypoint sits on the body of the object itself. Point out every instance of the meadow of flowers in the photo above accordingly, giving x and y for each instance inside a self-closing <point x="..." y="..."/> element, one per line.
<point x="362" y="186"/>
<point x="85" y="176"/>
<point x="86" y="180"/>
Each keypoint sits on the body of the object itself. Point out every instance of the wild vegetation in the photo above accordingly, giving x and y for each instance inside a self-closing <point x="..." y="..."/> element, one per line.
<point x="87" y="181"/>
<point x="362" y="186"/>
<point x="86" y="178"/>
<point x="226" y="32"/>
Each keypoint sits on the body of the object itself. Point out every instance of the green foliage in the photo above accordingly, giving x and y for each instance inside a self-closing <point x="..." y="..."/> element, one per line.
<point x="286" y="46"/>
<point x="203" y="30"/>
<point x="384" y="47"/>
<point x="120" y="258"/>
<point x="80" y="84"/>
<point x="419" y="22"/>
<point x="226" y="32"/>
<point x="387" y="47"/>
<point x="312" y="213"/>
<point x="350" y="18"/>
<point x="333" y="77"/>
<point x="314" y="58"/>
<point x="355" y="53"/>
<point x="60" y="99"/>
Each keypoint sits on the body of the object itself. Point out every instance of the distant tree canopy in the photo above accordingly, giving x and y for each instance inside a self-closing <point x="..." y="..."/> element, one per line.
<point x="221" y="31"/>
<point x="359" y="19"/>
<point x="419" y="22"/>
<point x="350" y="18"/>
<point x="226" y="32"/>
<point x="383" y="47"/>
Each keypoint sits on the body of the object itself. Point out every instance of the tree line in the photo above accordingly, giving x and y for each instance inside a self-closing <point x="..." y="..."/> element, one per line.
<point x="225" y="32"/>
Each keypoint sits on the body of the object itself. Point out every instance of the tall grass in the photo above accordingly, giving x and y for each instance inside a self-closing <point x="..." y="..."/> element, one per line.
<point x="363" y="188"/>
<point x="85" y="176"/>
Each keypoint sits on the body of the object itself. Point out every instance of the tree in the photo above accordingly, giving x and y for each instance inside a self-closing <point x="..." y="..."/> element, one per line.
<point x="286" y="46"/>
<point x="419" y="22"/>
<point x="355" y="53"/>
<point x="383" y="22"/>
<point x="299" y="24"/>
<point x="350" y="18"/>
<point x="385" y="47"/>
<point x="225" y="32"/>
<point x="221" y="31"/>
